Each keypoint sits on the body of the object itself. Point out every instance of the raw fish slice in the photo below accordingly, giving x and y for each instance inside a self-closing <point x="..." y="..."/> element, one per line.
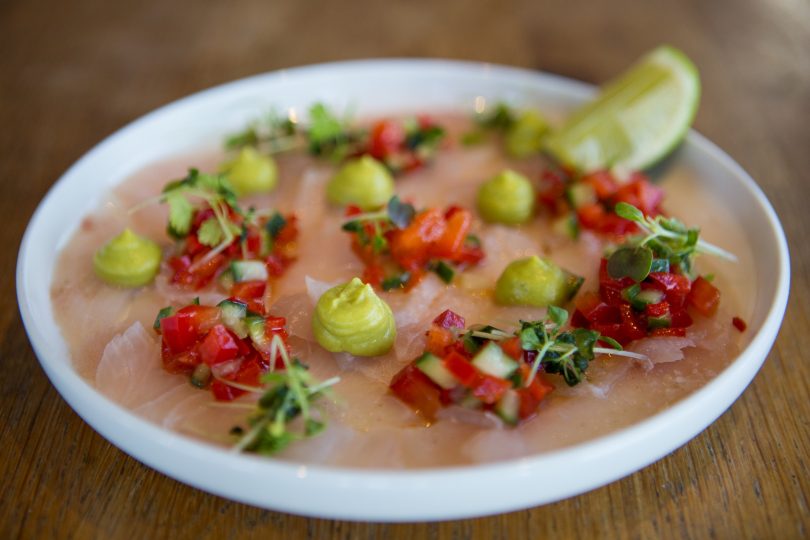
<point x="419" y="304"/>
<point x="410" y="342"/>
<point x="331" y="442"/>
<point x="602" y="375"/>
<point x="711" y="333"/>
<point x="463" y="415"/>
<point x="661" y="350"/>
<point x="130" y="371"/>
<point x="496" y="445"/>
<point x="297" y="309"/>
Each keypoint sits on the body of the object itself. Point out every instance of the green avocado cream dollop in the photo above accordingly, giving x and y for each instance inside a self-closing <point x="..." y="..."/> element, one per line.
<point x="362" y="181"/>
<point x="525" y="137"/>
<point x="251" y="172"/>
<point x="536" y="282"/>
<point x="128" y="260"/>
<point x="507" y="198"/>
<point x="352" y="318"/>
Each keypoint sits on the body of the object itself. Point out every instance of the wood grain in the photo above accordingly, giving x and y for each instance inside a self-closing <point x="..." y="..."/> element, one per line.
<point x="73" y="72"/>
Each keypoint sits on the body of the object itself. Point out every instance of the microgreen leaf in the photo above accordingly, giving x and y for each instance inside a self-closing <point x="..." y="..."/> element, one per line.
<point x="395" y="282"/>
<point x="558" y="315"/>
<point x="501" y="117"/>
<point x="324" y="126"/>
<point x="181" y="212"/>
<point x="669" y="239"/>
<point x="210" y="233"/>
<point x="275" y="224"/>
<point x="401" y="214"/>
<point x="629" y="212"/>
<point x="444" y="271"/>
<point x="631" y="261"/>
<point x="288" y="394"/>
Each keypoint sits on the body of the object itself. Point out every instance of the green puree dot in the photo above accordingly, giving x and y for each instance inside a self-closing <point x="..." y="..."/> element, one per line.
<point x="536" y="282"/>
<point x="251" y="172"/>
<point x="362" y="181"/>
<point x="352" y="318"/>
<point x="128" y="260"/>
<point x="507" y="198"/>
<point x="525" y="137"/>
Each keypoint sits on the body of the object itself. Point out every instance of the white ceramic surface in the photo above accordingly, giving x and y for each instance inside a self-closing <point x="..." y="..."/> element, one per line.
<point x="381" y="495"/>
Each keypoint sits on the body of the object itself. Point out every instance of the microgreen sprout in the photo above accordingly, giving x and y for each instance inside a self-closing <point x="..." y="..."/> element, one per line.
<point x="564" y="352"/>
<point x="664" y="242"/>
<point x="285" y="396"/>
<point x="567" y="353"/>
<point x="371" y="227"/>
<point x="326" y="134"/>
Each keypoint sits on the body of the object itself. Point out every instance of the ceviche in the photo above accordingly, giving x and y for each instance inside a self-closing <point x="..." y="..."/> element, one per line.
<point x="408" y="291"/>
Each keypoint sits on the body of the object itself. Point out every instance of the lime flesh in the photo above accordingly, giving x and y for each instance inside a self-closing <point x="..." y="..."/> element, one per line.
<point x="636" y="120"/>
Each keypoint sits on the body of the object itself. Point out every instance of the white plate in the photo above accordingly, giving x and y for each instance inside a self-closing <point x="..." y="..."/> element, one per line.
<point x="382" y="495"/>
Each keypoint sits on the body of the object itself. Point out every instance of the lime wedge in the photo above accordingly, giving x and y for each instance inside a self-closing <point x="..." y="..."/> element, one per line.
<point x="637" y="118"/>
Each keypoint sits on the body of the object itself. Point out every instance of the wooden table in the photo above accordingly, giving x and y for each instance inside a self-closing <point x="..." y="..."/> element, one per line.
<point x="73" y="72"/>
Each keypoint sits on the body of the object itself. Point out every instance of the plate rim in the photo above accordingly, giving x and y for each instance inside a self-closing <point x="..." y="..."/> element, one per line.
<point x="100" y="412"/>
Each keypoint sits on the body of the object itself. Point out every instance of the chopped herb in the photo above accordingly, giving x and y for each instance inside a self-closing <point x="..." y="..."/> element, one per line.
<point x="502" y="117"/>
<point x="444" y="271"/>
<point x="472" y="240"/>
<point x="196" y="301"/>
<point x="328" y="135"/>
<point x="395" y="282"/>
<point x="275" y="224"/>
<point x="248" y="137"/>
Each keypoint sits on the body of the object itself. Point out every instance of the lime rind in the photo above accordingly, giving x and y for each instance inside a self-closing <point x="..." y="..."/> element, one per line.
<point x="637" y="119"/>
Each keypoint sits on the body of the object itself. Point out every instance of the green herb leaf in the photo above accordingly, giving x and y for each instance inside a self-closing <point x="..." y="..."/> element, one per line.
<point x="502" y="117"/>
<point x="558" y="315"/>
<point x="275" y="224"/>
<point x="288" y="394"/>
<point x="395" y="282"/>
<point x="444" y="271"/>
<point x="401" y="214"/>
<point x="629" y="212"/>
<point x="634" y="262"/>
<point x="181" y="212"/>
<point x="210" y="233"/>
<point x="669" y="239"/>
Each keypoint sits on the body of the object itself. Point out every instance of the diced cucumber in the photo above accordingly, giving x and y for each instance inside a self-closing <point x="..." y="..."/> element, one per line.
<point x="664" y="321"/>
<point x="233" y="316"/>
<point x="256" y="328"/>
<point x="432" y="366"/>
<point x="566" y="225"/>
<point x="508" y="407"/>
<point x="639" y="298"/>
<point x="581" y="194"/>
<point x="226" y="279"/>
<point x="248" y="271"/>
<point x="266" y="243"/>
<point x="201" y="376"/>
<point x="493" y="361"/>
<point x="469" y="401"/>
<point x="650" y="296"/>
